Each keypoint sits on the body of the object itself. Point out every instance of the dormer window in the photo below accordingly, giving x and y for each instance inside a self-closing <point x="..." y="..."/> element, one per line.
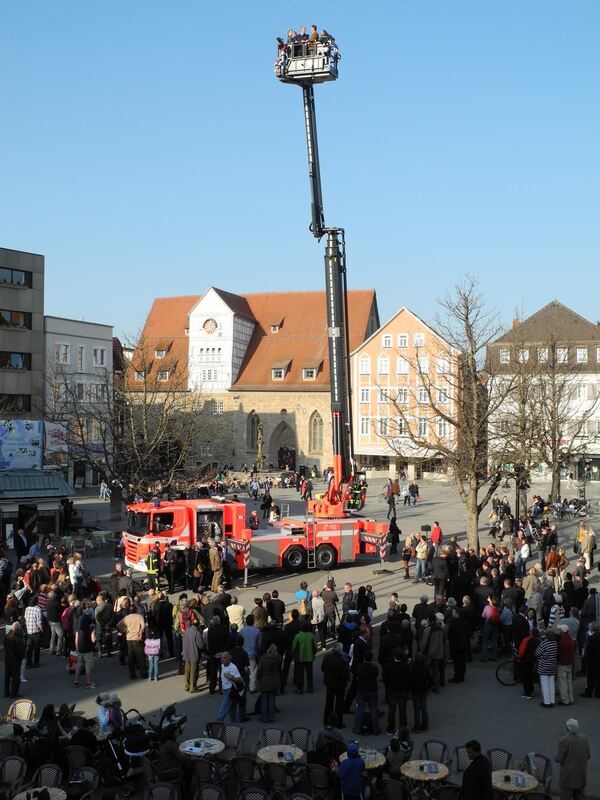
<point x="163" y="375"/>
<point x="309" y="374"/>
<point x="139" y="375"/>
<point x="277" y="373"/>
<point x="160" y="353"/>
<point x="275" y="328"/>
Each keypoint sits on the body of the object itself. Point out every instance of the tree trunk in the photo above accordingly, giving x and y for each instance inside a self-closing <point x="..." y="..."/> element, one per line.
<point x="472" y="520"/>
<point x="555" y="490"/>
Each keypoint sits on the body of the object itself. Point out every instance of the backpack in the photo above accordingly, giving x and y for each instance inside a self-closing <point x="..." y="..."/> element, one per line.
<point x="304" y="607"/>
<point x="494" y="617"/>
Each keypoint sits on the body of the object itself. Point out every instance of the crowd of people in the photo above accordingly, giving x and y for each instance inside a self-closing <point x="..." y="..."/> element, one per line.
<point x="521" y="595"/>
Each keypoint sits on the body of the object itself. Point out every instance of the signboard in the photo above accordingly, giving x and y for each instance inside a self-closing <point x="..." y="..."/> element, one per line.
<point x="56" y="439"/>
<point x="21" y="443"/>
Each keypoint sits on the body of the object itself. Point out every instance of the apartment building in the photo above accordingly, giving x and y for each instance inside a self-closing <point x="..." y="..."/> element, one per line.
<point x="21" y="334"/>
<point x="79" y="374"/>
<point x="557" y="345"/>
<point x="393" y="372"/>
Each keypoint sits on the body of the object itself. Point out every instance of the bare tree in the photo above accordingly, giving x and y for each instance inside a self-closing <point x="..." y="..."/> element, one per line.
<point x="448" y="413"/>
<point x="139" y="431"/>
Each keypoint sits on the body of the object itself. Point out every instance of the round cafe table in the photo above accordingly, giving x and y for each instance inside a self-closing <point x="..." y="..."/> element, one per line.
<point x="508" y="787"/>
<point x="412" y="770"/>
<point x="280" y="754"/>
<point x="202" y="747"/>
<point x="373" y="758"/>
<point x="55" y="794"/>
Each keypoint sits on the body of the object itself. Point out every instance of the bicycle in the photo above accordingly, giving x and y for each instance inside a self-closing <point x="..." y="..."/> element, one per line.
<point x="507" y="672"/>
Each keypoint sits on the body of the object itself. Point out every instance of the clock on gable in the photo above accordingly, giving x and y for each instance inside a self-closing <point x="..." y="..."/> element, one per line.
<point x="210" y="326"/>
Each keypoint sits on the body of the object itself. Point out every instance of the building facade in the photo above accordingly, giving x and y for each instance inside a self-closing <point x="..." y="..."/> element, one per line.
<point x="79" y="377"/>
<point x="261" y="362"/>
<point x="21" y="334"/>
<point x="560" y="351"/>
<point x="393" y="373"/>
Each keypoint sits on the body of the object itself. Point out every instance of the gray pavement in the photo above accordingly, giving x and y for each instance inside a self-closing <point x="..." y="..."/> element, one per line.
<point x="480" y="708"/>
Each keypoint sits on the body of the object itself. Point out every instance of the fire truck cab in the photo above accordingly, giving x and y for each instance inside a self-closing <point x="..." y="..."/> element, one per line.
<point x="184" y="522"/>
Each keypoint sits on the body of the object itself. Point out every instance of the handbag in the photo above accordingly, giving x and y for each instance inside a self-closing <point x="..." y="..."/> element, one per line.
<point x="575" y="546"/>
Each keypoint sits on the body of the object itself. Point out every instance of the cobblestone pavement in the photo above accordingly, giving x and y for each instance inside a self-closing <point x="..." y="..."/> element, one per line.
<point x="480" y="708"/>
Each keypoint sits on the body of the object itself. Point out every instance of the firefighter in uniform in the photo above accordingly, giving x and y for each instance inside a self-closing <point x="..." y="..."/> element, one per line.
<point x="216" y="566"/>
<point x="153" y="565"/>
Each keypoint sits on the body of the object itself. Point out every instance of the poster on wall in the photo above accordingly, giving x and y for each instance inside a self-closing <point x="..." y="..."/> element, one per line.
<point x="56" y="439"/>
<point x="21" y="443"/>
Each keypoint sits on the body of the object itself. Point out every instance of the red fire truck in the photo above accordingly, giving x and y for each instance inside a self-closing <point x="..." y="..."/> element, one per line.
<point x="328" y="535"/>
<point x="293" y="543"/>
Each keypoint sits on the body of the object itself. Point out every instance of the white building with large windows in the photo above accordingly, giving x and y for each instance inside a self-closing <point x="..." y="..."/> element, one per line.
<point x="390" y="393"/>
<point x="79" y="359"/>
<point x="558" y="347"/>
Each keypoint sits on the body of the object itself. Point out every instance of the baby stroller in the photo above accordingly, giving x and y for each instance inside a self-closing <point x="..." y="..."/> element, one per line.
<point x="120" y="761"/>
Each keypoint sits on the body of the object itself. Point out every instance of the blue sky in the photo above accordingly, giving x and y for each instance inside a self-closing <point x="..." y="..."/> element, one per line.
<point x="147" y="149"/>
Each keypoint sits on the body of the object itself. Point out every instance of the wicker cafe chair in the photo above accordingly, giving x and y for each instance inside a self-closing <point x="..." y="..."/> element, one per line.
<point x="22" y="710"/>
<point x="540" y="767"/>
<point x="499" y="758"/>
<point x="161" y="791"/>
<point x="434" y="750"/>
<point x="49" y="775"/>
<point x="12" y="774"/>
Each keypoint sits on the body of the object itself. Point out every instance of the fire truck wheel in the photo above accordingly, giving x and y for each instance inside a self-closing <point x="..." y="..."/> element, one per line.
<point x="294" y="559"/>
<point x="325" y="557"/>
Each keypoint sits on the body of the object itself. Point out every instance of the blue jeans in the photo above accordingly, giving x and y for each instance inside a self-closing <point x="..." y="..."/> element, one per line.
<point x="370" y="699"/>
<point x="521" y="566"/>
<point x="419" y="569"/>
<point x="228" y="706"/>
<point x="267" y="707"/>
<point x="153" y="666"/>
<point x="489" y="636"/>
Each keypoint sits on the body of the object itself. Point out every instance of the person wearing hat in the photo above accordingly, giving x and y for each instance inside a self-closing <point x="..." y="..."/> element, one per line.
<point x="573" y="755"/>
<point x="564" y="670"/>
<point x="351" y="774"/>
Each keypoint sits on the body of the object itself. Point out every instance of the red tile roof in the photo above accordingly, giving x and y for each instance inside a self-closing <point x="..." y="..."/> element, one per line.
<point x="300" y="342"/>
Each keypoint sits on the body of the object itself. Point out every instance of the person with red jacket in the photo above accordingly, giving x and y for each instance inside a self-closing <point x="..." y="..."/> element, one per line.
<point x="526" y="656"/>
<point x="564" y="673"/>
<point x="436" y="534"/>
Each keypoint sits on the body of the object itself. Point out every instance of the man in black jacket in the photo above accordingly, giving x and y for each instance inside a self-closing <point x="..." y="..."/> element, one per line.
<point x="14" y="653"/>
<point x="291" y="629"/>
<point x="275" y="609"/>
<point x="367" y="674"/>
<point x="335" y="677"/>
<point x="439" y="568"/>
<point x="396" y="679"/>
<point x="477" y="778"/>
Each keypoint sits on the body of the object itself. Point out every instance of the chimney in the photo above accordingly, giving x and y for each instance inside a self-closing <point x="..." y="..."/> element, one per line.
<point x="516" y="323"/>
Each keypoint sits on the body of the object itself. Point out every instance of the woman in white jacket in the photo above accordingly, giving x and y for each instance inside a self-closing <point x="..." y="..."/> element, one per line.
<point x="317" y="605"/>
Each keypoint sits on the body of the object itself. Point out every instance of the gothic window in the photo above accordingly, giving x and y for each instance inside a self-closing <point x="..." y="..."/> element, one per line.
<point x="252" y="430"/>
<point x="315" y="433"/>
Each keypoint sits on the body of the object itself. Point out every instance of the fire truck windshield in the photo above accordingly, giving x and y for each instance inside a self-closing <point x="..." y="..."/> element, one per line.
<point x="138" y="522"/>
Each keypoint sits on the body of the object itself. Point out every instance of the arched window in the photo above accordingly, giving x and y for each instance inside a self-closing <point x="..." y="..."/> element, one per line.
<point x="252" y="430"/>
<point x="315" y="433"/>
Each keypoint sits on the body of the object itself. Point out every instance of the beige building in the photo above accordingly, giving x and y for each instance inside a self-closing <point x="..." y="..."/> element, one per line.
<point x="256" y="358"/>
<point x="404" y="382"/>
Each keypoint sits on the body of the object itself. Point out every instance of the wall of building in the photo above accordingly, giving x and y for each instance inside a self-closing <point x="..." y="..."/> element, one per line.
<point x="81" y="354"/>
<point x="385" y="376"/>
<point x="215" y="355"/>
<point x="22" y="382"/>
<point x="287" y="418"/>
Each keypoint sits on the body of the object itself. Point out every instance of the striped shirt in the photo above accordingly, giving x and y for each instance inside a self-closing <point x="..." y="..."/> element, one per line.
<point x="547" y="656"/>
<point x="33" y="619"/>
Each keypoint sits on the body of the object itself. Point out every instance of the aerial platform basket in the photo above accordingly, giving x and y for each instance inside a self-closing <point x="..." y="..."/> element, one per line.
<point x="308" y="62"/>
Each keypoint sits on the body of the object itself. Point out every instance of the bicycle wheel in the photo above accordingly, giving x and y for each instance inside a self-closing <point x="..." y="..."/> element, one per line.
<point x="505" y="673"/>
